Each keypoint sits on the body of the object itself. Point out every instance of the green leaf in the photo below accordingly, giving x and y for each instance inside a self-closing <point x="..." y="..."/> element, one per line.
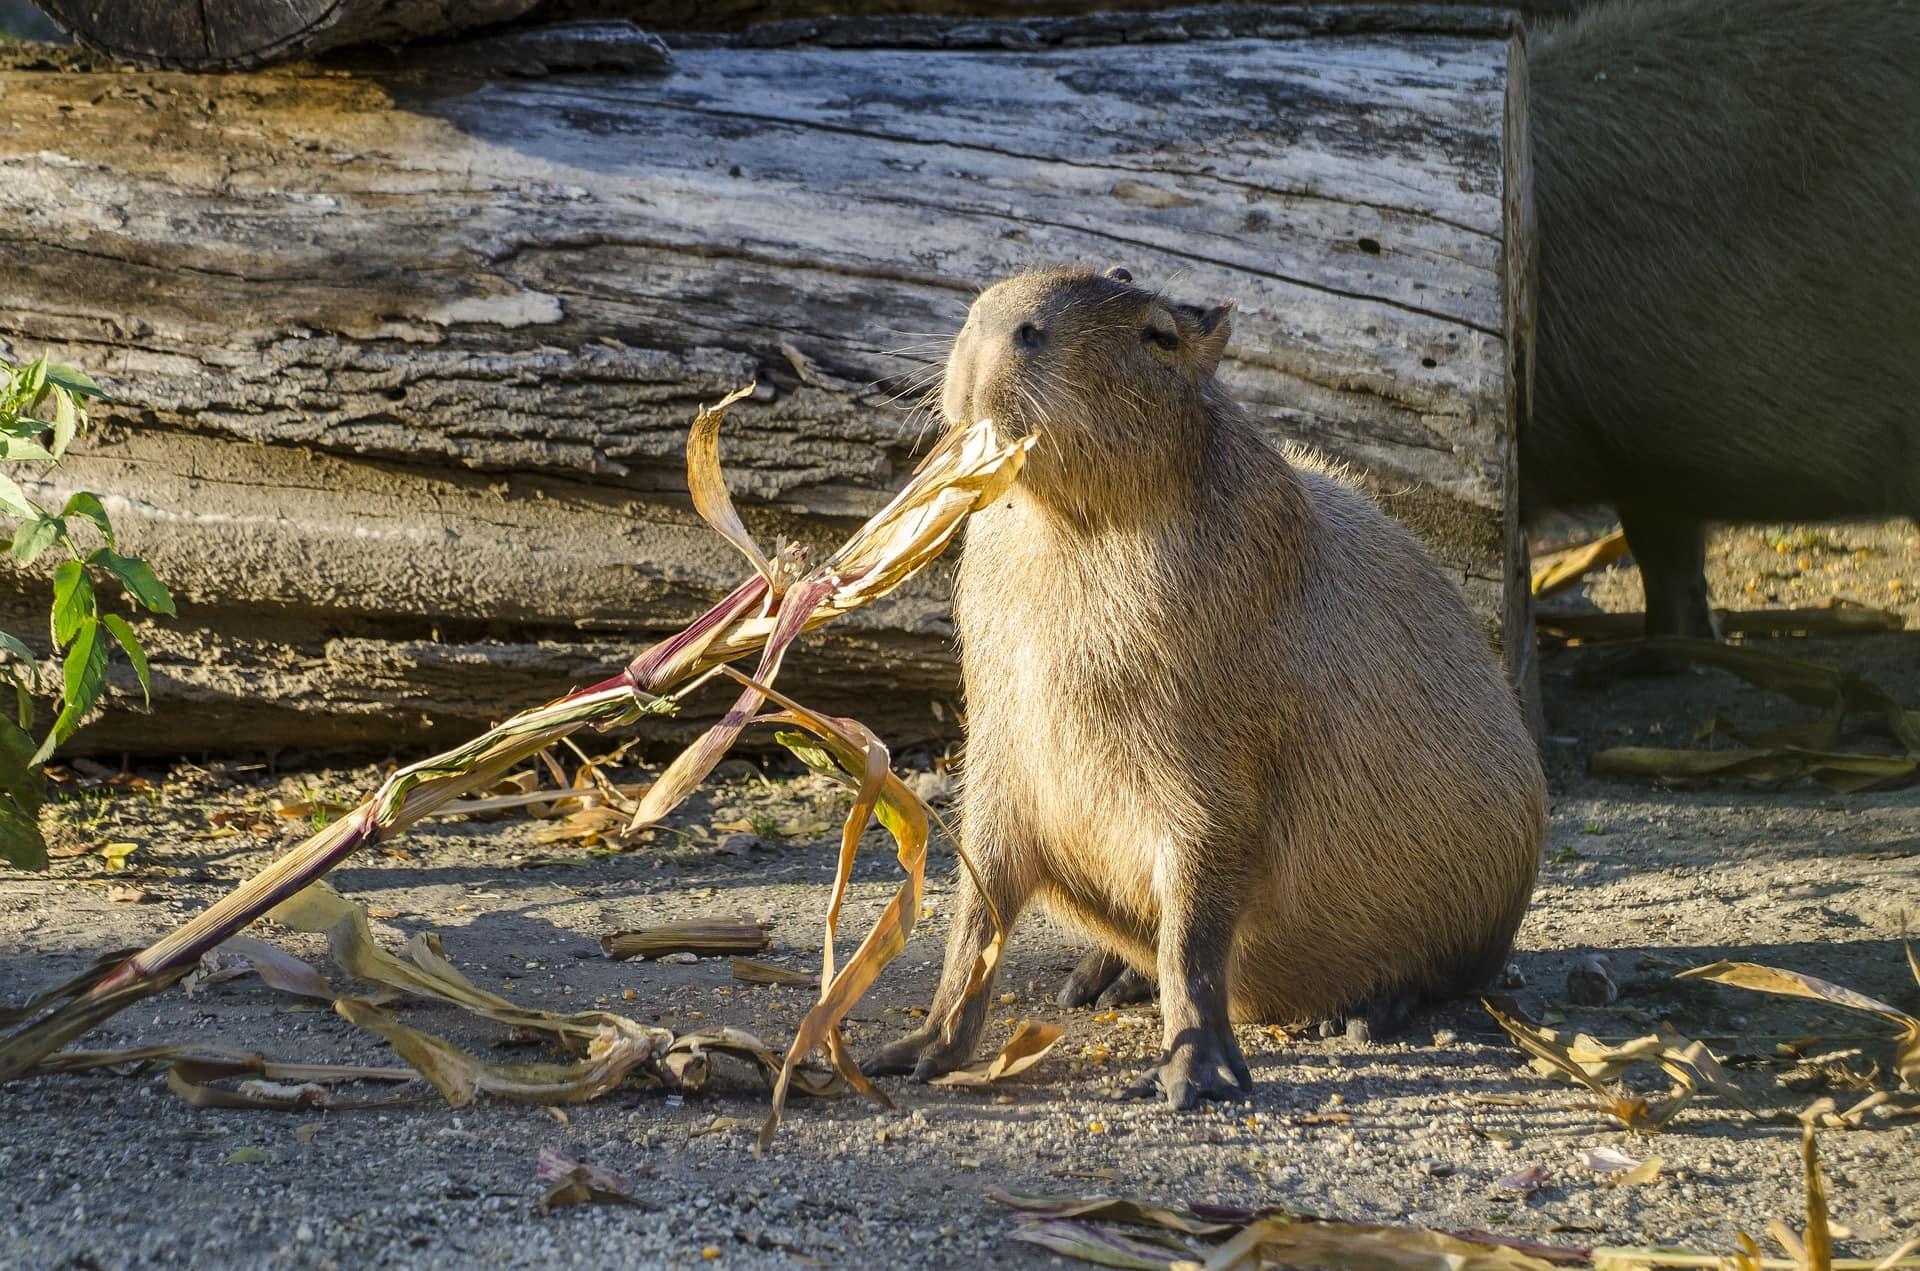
<point x="21" y="844"/>
<point x="22" y="783"/>
<point x="123" y="632"/>
<point x="66" y="420"/>
<point x="14" y="499"/>
<point x="75" y="381"/>
<point x="85" y="674"/>
<point x="22" y="655"/>
<point x="137" y="576"/>
<point x="33" y="378"/>
<point x="89" y="506"/>
<point x="25" y="450"/>
<point x="37" y="536"/>
<point x="73" y="602"/>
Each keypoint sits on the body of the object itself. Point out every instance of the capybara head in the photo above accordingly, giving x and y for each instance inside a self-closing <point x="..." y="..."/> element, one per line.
<point x="1115" y="378"/>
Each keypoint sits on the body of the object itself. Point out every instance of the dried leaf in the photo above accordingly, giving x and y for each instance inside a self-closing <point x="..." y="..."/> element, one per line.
<point x="1766" y="979"/>
<point x="575" y="1183"/>
<point x="1279" y="1243"/>
<point x="1834" y="616"/>
<point x="1525" y="1181"/>
<point x="1846" y="772"/>
<point x="1115" y="1209"/>
<point x="848" y="746"/>
<point x="1097" y="1245"/>
<point x="1635" y="1113"/>
<point x="115" y="854"/>
<point x="1029" y="1043"/>
<point x="748" y="971"/>
<point x="460" y="1078"/>
<point x="1645" y="1172"/>
<point x="1556" y="571"/>
<point x="709" y="487"/>
<point x="1813" y="683"/>
<point x="280" y="970"/>
<point x="704" y="939"/>
<point x="1606" y="1160"/>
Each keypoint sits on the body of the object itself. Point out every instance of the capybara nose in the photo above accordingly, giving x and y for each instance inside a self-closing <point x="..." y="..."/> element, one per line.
<point x="1029" y="337"/>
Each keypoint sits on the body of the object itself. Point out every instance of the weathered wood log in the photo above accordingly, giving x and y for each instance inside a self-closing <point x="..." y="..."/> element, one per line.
<point x="218" y="35"/>
<point x="406" y="360"/>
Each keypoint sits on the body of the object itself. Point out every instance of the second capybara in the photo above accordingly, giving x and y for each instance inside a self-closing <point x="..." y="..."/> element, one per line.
<point x="1728" y="329"/>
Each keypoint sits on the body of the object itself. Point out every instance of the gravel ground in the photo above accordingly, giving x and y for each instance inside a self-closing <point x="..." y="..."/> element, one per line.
<point x="112" y="1171"/>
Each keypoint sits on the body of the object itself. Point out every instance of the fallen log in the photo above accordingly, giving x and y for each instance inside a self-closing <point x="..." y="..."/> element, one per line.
<point x="405" y="358"/>
<point x="227" y="35"/>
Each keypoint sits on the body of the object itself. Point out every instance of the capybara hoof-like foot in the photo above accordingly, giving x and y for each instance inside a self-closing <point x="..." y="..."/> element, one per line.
<point x="1104" y="979"/>
<point x="922" y="1054"/>
<point x="1385" y="1015"/>
<point x="1127" y="988"/>
<point x="1205" y="1068"/>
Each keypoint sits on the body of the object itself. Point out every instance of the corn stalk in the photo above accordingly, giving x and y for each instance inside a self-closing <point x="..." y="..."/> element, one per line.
<point x="763" y="615"/>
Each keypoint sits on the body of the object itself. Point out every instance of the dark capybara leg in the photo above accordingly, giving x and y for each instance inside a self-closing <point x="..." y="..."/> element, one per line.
<point x="1382" y="1016"/>
<point x="1090" y="978"/>
<point x="1199" y="1058"/>
<point x="1672" y="554"/>
<point x="1128" y="987"/>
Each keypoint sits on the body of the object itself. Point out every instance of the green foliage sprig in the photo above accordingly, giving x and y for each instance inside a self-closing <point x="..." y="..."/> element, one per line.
<point x="43" y="409"/>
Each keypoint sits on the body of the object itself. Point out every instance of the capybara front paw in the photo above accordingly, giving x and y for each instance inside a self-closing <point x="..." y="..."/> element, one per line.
<point x="923" y="1054"/>
<point x="1203" y="1068"/>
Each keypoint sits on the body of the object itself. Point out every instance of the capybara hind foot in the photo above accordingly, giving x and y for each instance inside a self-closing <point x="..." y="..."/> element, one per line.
<point x="1128" y="987"/>
<point x="923" y="1054"/>
<point x="1384" y="1015"/>
<point x="1104" y="979"/>
<point x="1201" y="1065"/>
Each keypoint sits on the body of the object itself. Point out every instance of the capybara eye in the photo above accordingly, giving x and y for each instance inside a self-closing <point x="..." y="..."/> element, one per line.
<point x="1028" y="336"/>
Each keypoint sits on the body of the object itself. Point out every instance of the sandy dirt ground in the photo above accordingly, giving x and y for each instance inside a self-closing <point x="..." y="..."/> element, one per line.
<point x="108" y="1171"/>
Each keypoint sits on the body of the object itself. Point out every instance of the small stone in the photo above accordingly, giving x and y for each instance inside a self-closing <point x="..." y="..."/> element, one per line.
<point x="1590" y="982"/>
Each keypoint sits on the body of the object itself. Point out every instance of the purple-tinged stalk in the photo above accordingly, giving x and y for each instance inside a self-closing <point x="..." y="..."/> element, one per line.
<point x="969" y="469"/>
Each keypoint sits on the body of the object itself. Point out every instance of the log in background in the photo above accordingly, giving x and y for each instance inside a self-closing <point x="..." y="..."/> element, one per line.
<point x="407" y="357"/>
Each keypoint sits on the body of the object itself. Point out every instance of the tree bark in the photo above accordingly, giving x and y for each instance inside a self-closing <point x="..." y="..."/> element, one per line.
<point x="406" y="359"/>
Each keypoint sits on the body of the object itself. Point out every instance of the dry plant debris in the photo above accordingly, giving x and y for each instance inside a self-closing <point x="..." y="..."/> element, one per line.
<point x="1218" y="1238"/>
<point x="1832" y="617"/>
<point x="1557" y="570"/>
<point x="1691" y="1066"/>
<point x="1766" y="979"/>
<point x="1808" y="750"/>
<point x="763" y="615"/>
<point x="703" y="939"/>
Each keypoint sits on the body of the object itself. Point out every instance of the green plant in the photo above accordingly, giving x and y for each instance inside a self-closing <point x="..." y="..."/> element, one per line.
<point x="43" y="408"/>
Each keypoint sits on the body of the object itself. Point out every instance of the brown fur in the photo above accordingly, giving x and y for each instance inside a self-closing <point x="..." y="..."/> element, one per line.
<point x="1223" y="714"/>
<point x="1728" y="193"/>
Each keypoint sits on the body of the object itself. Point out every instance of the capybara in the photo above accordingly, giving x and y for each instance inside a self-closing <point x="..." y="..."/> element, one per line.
<point x="1728" y="204"/>
<point x="1223" y="715"/>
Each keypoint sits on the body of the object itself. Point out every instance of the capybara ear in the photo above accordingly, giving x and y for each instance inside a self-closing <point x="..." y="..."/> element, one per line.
<point x="1211" y="330"/>
<point x="1120" y="274"/>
